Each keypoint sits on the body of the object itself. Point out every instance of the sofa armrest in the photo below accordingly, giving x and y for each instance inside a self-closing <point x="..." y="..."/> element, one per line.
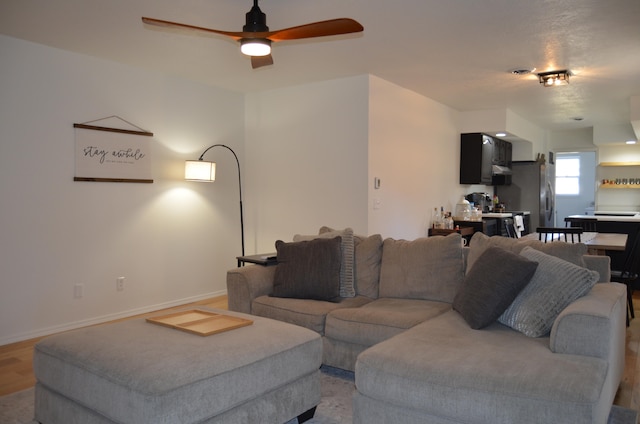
<point x="593" y="325"/>
<point x="600" y="263"/>
<point x="246" y="283"/>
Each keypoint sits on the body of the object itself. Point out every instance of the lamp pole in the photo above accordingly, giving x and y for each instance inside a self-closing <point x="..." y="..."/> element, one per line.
<point x="239" y="186"/>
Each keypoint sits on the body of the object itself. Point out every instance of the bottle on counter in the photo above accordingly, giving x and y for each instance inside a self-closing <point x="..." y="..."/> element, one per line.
<point x="476" y="214"/>
<point x="436" y="219"/>
<point x="448" y="222"/>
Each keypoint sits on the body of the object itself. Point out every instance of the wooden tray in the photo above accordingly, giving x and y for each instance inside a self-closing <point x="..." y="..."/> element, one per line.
<point x="199" y="322"/>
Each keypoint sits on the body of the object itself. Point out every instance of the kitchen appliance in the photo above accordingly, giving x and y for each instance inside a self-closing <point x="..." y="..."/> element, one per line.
<point x="532" y="189"/>
<point x="480" y="200"/>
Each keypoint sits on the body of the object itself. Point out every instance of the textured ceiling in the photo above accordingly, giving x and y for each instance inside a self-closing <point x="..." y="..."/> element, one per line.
<point x="457" y="52"/>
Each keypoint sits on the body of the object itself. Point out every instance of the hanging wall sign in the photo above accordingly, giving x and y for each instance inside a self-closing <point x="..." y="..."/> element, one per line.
<point x="107" y="154"/>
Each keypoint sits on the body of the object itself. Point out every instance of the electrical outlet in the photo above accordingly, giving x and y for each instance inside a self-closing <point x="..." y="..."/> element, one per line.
<point x="78" y="290"/>
<point x="120" y="284"/>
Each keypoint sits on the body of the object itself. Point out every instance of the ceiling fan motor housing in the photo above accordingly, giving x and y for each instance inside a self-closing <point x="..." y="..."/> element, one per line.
<point x="256" y="20"/>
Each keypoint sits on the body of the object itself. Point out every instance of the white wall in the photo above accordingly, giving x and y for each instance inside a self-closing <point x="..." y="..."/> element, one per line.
<point x="414" y="148"/>
<point x="306" y="160"/>
<point x="313" y="152"/>
<point x="309" y="155"/>
<point x="172" y="240"/>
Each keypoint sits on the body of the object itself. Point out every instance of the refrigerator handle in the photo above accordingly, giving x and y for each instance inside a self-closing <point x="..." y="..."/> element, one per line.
<point x="550" y="200"/>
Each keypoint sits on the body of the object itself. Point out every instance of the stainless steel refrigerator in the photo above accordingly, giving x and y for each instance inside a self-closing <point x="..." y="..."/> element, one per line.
<point x="532" y="189"/>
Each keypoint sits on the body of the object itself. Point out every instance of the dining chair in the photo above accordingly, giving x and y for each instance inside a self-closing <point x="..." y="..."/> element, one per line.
<point x="587" y="224"/>
<point x="629" y="273"/>
<point x="510" y="227"/>
<point x="547" y="233"/>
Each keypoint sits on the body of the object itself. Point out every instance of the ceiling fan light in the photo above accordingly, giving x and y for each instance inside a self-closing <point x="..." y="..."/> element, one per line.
<point x="255" y="46"/>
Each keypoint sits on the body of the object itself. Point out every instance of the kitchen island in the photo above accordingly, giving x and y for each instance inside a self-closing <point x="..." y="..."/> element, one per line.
<point x="610" y="217"/>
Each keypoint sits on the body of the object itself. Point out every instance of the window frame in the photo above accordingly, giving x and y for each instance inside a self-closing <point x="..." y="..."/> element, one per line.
<point x="568" y="176"/>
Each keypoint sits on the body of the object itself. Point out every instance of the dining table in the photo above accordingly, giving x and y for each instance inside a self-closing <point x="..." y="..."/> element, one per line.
<point x="597" y="243"/>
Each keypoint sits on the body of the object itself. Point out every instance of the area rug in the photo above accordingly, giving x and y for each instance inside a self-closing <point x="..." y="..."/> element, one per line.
<point x="334" y="408"/>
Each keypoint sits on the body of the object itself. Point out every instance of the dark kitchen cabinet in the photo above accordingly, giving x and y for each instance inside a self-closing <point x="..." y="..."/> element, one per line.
<point x="476" y="158"/>
<point x="478" y="155"/>
<point x="486" y="226"/>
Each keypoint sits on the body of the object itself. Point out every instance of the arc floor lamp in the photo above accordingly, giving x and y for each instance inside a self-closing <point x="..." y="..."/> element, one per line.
<point x="204" y="171"/>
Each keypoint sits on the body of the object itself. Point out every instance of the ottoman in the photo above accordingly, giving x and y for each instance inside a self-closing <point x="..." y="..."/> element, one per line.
<point x="136" y="372"/>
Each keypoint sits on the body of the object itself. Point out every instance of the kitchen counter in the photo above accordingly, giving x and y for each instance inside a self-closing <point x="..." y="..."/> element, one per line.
<point x="497" y="214"/>
<point x="508" y="214"/>
<point x="609" y="218"/>
<point x="617" y="213"/>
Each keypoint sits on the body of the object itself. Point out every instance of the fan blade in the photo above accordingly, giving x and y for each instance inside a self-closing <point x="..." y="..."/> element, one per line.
<point x="317" y="29"/>
<point x="168" y="24"/>
<point x="259" y="61"/>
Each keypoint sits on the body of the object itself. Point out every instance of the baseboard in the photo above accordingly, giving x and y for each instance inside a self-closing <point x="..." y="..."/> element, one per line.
<point x="105" y="318"/>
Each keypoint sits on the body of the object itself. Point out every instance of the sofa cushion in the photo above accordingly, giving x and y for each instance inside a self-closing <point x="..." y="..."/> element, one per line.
<point x="446" y="369"/>
<point x="425" y="268"/>
<point x="571" y="252"/>
<point x="347" y="279"/>
<point x="380" y="319"/>
<point x="491" y="285"/>
<point x="308" y="269"/>
<point x="306" y="313"/>
<point x="555" y="284"/>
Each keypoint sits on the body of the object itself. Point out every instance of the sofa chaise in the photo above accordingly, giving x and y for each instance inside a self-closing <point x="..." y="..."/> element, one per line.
<point x="501" y="331"/>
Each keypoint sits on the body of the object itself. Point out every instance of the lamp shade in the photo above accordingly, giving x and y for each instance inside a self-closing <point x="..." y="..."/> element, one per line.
<point x="255" y="46"/>
<point x="199" y="170"/>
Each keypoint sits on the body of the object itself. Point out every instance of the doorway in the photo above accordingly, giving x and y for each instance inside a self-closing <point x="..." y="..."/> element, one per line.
<point x="575" y="184"/>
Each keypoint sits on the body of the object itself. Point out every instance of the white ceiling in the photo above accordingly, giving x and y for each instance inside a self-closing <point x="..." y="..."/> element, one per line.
<point x="457" y="52"/>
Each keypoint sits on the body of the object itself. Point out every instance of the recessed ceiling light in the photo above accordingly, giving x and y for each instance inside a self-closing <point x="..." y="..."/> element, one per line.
<point x="501" y="134"/>
<point x="631" y="141"/>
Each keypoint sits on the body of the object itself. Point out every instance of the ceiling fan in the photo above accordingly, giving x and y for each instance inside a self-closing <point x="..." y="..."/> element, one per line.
<point x="255" y="38"/>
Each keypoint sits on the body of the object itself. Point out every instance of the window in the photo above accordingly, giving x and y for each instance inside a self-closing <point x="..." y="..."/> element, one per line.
<point x="568" y="175"/>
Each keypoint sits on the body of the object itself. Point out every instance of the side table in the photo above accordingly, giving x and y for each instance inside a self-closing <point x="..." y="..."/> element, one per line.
<point x="265" y="259"/>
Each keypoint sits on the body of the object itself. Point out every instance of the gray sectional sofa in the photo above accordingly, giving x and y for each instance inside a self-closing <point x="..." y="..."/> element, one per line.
<point x="439" y="333"/>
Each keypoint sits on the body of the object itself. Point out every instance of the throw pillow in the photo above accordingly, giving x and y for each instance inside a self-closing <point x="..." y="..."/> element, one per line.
<point x="308" y="269"/>
<point x="571" y="252"/>
<point x="347" y="279"/>
<point x="367" y="256"/>
<point x="495" y="280"/>
<point x="555" y="284"/>
<point x="427" y="268"/>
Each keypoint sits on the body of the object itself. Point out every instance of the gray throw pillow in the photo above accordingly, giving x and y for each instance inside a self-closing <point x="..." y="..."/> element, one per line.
<point x="367" y="257"/>
<point x="368" y="254"/>
<point x="308" y="269"/>
<point x="347" y="272"/>
<point x="571" y="252"/>
<point x="555" y="284"/>
<point x="495" y="280"/>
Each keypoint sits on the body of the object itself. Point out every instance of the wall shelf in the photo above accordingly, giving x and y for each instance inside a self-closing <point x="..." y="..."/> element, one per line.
<point x="633" y="186"/>
<point x="619" y="163"/>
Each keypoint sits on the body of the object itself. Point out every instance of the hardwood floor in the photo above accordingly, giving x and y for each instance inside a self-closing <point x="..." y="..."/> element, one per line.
<point x="16" y="372"/>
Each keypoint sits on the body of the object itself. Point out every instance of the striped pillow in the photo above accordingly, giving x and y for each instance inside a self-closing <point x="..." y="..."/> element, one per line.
<point x="555" y="284"/>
